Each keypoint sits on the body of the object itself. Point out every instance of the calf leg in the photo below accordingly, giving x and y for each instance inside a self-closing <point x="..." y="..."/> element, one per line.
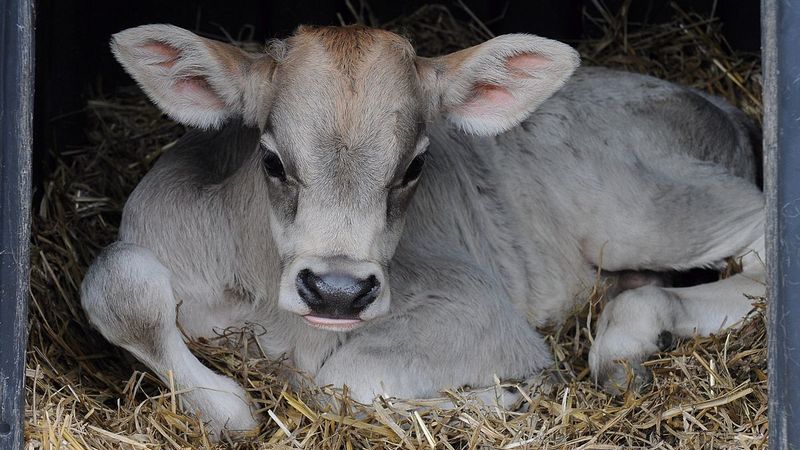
<point x="643" y="321"/>
<point x="452" y="327"/>
<point x="691" y="223"/>
<point x="128" y="297"/>
<point x="678" y="214"/>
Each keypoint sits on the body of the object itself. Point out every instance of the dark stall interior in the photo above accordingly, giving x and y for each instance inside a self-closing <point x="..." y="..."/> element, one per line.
<point x="73" y="61"/>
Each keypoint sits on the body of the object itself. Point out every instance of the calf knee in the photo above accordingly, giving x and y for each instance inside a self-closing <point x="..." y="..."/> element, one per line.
<point x="644" y="309"/>
<point x="127" y="296"/>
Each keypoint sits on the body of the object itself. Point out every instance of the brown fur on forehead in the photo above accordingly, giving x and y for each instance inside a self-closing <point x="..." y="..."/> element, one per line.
<point x="352" y="86"/>
<point x="350" y="47"/>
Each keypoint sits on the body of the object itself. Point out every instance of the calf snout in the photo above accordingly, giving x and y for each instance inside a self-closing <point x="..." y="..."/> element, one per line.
<point x="336" y="295"/>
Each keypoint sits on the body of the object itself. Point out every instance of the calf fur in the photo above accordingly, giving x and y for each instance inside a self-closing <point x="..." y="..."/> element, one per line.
<point x="401" y="225"/>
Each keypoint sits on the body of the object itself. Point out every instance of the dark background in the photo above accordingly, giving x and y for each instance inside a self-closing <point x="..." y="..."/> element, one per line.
<point x="73" y="60"/>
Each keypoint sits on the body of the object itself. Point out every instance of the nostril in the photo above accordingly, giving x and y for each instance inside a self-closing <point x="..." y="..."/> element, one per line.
<point x="308" y="287"/>
<point x="367" y="293"/>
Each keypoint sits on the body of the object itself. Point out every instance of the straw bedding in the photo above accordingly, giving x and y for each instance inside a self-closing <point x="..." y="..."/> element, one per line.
<point x="83" y="393"/>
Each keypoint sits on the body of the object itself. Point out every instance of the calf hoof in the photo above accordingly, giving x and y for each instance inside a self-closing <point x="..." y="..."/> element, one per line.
<point x="623" y="376"/>
<point x="632" y="327"/>
<point x="225" y="409"/>
<point x="665" y="341"/>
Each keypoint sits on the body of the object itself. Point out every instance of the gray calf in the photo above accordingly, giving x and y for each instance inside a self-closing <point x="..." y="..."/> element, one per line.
<point x="383" y="248"/>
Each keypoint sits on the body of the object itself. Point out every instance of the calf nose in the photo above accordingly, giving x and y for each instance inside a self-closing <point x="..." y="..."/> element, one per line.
<point x="336" y="295"/>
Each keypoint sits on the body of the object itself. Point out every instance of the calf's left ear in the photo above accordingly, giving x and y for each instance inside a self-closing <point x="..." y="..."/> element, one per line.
<point x="491" y="87"/>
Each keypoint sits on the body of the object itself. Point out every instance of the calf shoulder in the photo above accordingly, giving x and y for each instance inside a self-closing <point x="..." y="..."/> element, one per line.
<point x="196" y="211"/>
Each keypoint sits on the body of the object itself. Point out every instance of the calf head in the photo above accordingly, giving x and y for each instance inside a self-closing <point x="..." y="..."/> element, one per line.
<point x="343" y="114"/>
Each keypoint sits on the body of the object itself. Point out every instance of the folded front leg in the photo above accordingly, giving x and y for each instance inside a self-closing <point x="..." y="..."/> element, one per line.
<point x="463" y="332"/>
<point x="128" y="296"/>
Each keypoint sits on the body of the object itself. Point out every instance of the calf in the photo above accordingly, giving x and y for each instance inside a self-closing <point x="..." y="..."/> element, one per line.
<point x="402" y="224"/>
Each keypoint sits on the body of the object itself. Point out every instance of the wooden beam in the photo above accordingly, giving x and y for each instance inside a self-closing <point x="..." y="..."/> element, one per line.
<point x="780" y="37"/>
<point x="16" y="120"/>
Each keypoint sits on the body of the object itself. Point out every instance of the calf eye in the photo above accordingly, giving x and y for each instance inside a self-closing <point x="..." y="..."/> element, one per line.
<point x="273" y="165"/>
<point x="414" y="169"/>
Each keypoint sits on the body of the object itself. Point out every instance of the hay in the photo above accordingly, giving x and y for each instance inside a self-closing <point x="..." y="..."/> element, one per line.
<point x="83" y="393"/>
<point x="690" y="50"/>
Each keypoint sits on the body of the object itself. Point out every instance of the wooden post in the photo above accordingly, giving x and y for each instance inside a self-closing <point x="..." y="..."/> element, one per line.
<point x="781" y="55"/>
<point x="16" y="112"/>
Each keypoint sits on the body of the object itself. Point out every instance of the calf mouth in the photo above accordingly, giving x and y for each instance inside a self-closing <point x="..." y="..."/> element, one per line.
<point x="333" y="323"/>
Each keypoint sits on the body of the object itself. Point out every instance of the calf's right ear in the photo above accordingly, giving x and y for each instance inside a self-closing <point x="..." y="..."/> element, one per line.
<point x="196" y="81"/>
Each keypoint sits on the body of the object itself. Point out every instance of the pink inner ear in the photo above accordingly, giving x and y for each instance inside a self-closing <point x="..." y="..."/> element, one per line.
<point x="166" y="53"/>
<point x="197" y="90"/>
<point x="491" y="93"/>
<point x="487" y="99"/>
<point x="526" y="63"/>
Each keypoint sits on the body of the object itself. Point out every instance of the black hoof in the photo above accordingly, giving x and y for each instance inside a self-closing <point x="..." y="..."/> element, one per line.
<point x="665" y="341"/>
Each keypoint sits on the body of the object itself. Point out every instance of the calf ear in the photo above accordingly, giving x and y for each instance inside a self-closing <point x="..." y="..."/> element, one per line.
<point x="494" y="86"/>
<point x="196" y="81"/>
